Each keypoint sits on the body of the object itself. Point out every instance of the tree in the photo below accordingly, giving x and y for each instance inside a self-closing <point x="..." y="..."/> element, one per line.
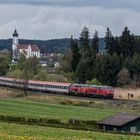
<point x="66" y="64"/>
<point x="135" y="69"/>
<point x="84" y="70"/>
<point x="123" y="77"/>
<point x="84" y="42"/>
<point x="94" y="45"/>
<point x="4" y="65"/>
<point x="32" y="65"/>
<point x="110" y="42"/>
<point x="109" y="68"/>
<point x="75" y="54"/>
<point x="30" y="68"/>
<point x="21" y="61"/>
<point x="25" y="76"/>
<point x="127" y="43"/>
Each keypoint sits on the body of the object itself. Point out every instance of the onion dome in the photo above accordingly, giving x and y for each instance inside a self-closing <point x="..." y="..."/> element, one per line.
<point x="15" y="34"/>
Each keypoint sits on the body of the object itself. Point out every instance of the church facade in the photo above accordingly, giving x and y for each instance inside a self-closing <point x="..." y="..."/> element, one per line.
<point x="26" y="50"/>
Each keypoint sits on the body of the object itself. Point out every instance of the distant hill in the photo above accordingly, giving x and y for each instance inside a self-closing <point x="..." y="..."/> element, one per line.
<point x="50" y="46"/>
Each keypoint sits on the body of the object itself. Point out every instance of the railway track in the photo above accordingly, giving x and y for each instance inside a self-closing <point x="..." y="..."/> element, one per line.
<point x="75" y="97"/>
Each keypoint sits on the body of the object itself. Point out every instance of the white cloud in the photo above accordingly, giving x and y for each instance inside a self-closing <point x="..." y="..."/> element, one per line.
<point x="46" y="22"/>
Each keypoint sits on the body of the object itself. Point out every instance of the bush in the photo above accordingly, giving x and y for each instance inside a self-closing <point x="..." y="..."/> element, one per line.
<point x="93" y="82"/>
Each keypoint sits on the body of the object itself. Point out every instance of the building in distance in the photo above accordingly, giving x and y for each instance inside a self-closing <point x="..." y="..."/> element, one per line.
<point x="26" y="50"/>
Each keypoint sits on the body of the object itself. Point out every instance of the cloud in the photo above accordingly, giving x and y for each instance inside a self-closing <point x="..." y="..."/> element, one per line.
<point x="47" y="22"/>
<point x="131" y="4"/>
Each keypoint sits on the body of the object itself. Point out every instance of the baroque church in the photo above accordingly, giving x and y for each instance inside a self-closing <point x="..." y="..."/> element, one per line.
<point x="26" y="50"/>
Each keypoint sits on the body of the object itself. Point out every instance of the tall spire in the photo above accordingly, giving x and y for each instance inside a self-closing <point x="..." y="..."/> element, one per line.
<point x="15" y="34"/>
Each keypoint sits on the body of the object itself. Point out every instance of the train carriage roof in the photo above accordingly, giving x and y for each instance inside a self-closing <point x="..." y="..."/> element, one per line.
<point x="7" y="78"/>
<point x="58" y="83"/>
<point x="38" y="82"/>
<point x="50" y="83"/>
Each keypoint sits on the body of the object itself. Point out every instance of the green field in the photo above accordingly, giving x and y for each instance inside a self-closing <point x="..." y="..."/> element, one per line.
<point x="52" y="107"/>
<point x="21" y="107"/>
<point x="28" y="132"/>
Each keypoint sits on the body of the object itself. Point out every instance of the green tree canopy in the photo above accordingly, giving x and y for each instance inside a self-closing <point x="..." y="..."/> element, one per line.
<point x="84" y="43"/>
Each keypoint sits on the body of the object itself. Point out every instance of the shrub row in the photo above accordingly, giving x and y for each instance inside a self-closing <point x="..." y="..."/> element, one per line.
<point x="71" y="124"/>
<point x="36" y="121"/>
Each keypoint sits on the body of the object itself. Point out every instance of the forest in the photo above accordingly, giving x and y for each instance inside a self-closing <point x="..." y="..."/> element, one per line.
<point x="118" y="65"/>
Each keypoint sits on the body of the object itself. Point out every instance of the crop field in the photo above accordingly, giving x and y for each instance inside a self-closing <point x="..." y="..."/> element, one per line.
<point x="28" y="132"/>
<point x="22" y="107"/>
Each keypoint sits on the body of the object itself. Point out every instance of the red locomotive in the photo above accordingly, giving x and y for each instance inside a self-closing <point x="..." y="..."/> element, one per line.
<point x="92" y="91"/>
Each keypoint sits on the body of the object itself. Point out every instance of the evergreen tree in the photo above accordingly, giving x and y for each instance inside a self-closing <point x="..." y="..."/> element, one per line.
<point x="84" y="70"/>
<point x="110" y="42"/>
<point x="84" y="42"/>
<point x="116" y="45"/>
<point x="75" y="54"/>
<point x="94" y="45"/>
<point x="127" y="43"/>
<point x="133" y="65"/>
<point x="109" y="69"/>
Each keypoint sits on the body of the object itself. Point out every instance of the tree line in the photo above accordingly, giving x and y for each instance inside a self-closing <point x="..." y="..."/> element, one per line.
<point x="118" y="65"/>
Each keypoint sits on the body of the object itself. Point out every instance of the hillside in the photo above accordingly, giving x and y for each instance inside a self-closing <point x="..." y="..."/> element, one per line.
<point x="50" y="46"/>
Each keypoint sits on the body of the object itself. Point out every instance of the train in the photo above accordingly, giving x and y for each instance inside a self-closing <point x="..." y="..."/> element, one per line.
<point x="85" y="90"/>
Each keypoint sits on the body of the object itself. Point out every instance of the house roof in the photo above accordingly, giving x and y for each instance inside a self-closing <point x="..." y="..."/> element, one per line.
<point x="119" y="119"/>
<point x="34" y="48"/>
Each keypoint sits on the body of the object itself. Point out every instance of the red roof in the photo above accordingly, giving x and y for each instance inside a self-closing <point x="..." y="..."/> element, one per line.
<point x="34" y="48"/>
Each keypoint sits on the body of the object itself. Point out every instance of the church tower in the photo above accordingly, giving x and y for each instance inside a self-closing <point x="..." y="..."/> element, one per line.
<point x="14" y="48"/>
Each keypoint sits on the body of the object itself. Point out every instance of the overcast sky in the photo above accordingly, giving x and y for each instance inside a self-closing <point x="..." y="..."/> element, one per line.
<point x="50" y="19"/>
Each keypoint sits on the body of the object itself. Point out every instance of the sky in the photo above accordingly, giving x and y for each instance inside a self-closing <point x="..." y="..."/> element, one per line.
<point x="51" y="19"/>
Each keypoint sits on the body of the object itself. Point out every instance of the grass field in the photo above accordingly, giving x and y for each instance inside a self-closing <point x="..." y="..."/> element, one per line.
<point x="22" y="107"/>
<point x="63" y="108"/>
<point x="27" y="132"/>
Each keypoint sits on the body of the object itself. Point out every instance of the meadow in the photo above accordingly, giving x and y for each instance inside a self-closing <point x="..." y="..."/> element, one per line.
<point x="13" y="103"/>
<point x="28" y="132"/>
<point x="25" y="108"/>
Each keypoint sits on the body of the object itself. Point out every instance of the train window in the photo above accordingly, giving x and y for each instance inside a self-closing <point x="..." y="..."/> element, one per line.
<point x="39" y="85"/>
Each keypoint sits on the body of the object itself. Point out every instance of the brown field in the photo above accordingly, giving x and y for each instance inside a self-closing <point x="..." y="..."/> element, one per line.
<point x="122" y="93"/>
<point x="9" y="93"/>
